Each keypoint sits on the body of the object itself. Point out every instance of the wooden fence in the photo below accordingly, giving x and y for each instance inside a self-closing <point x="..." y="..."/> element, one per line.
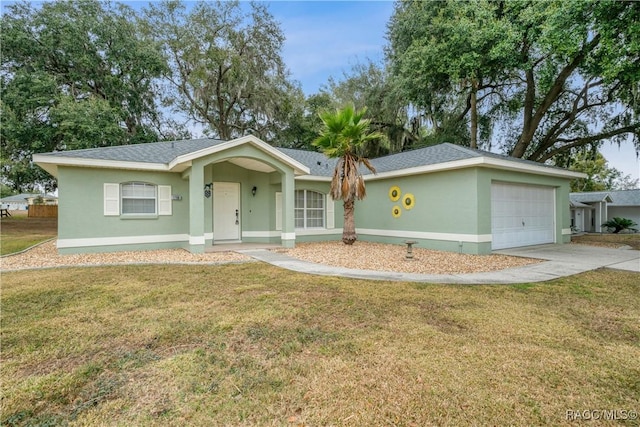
<point x="43" y="211"/>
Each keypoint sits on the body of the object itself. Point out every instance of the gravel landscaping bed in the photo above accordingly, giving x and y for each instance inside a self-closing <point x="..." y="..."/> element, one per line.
<point x="362" y="255"/>
<point x="600" y="244"/>
<point x="385" y="257"/>
<point x="46" y="255"/>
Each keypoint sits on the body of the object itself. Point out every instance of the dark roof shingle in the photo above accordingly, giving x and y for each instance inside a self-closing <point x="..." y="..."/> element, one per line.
<point x="154" y="152"/>
<point x="318" y="163"/>
<point x="619" y="197"/>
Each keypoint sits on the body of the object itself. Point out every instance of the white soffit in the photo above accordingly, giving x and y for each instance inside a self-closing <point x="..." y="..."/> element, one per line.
<point x="252" y="164"/>
<point x="298" y="167"/>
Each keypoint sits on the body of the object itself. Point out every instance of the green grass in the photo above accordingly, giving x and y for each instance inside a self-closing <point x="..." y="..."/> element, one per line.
<point x="19" y="232"/>
<point x="252" y="344"/>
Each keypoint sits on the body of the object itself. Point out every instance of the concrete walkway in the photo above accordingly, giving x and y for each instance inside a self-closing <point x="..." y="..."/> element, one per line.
<point x="561" y="260"/>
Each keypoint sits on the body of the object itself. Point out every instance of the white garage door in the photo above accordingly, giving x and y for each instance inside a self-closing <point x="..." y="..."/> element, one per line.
<point x="521" y="215"/>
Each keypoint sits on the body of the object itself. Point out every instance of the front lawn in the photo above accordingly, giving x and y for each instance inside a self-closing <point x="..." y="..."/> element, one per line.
<point x="20" y="232"/>
<point x="251" y="344"/>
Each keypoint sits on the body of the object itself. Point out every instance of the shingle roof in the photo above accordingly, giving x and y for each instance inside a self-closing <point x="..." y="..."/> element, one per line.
<point x="319" y="165"/>
<point x="432" y="155"/>
<point x="619" y="198"/>
<point x="589" y="197"/>
<point x="154" y="152"/>
<point x="435" y="154"/>
<point x="20" y="197"/>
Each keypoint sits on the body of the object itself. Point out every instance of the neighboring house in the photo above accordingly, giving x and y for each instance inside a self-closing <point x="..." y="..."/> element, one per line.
<point x="19" y="202"/>
<point x="42" y="199"/>
<point x="196" y="193"/>
<point x="590" y="210"/>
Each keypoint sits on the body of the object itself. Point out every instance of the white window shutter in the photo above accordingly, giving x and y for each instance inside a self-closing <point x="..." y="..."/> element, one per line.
<point x="111" y="199"/>
<point x="278" y="210"/>
<point x="164" y="200"/>
<point x="331" y="217"/>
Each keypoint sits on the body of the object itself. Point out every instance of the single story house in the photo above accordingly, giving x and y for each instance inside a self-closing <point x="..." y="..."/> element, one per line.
<point x="197" y="193"/>
<point x="20" y="202"/>
<point x="591" y="209"/>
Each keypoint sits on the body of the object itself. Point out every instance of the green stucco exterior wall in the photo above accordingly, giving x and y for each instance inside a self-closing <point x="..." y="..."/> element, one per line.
<point x="81" y="210"/>
<point x="84" y="227"/>
<point x="452" y="209"/>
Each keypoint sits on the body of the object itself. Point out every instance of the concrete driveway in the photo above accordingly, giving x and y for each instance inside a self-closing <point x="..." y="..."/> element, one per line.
<point x="561" y="260"/>
<point x="579" y="258"/>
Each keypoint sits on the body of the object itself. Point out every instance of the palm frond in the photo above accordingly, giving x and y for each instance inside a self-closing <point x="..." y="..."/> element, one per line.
<point x="368" y="164"/>
<point x="344" y="133"/>
<point x="361" y="190"/>
<point x="346" y="190"/>
<point x="336" y="185"/>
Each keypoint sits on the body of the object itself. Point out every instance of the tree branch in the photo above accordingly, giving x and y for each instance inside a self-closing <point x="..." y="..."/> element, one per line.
<point x="576" y="142"/>
<point x="569" y="117"/>
<point x="531" y="123"/>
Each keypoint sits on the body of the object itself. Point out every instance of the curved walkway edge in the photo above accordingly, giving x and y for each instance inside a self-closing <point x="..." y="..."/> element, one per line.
<point x="560" y="261"/>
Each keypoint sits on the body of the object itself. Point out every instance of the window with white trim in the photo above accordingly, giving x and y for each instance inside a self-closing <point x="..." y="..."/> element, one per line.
<point x="309" y="209"/>
<point x="139" y="198"/>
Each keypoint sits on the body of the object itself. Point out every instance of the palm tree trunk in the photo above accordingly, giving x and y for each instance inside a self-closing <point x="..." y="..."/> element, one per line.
<point x="349" y="227"/>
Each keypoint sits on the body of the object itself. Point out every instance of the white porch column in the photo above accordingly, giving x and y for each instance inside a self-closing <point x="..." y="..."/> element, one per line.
<point x="196" y="208"/>
<point x="600" y="215"/>
<point x="288" y="235"/>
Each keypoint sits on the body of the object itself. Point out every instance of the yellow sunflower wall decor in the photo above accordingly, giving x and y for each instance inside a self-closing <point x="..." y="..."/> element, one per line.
<point x="396" y="211"/>
<point x="394" y="193"/>
<point x="408" y="201"/>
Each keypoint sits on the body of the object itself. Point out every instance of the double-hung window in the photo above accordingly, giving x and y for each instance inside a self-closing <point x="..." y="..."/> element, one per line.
<point x="139" y="198"/>
<point x="309" y="209"/>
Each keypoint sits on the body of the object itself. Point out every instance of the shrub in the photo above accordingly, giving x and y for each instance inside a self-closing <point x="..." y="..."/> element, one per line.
<point x="618" y="224"/>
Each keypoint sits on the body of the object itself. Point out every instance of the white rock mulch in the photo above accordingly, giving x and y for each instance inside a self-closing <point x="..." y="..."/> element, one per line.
<point x="361" y="255"/>
<point x="386" y="257"/>
<point x="46" y="255"/>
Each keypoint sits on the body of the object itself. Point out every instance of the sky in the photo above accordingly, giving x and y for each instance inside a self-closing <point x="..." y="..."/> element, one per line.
<point x="326" y="38"/>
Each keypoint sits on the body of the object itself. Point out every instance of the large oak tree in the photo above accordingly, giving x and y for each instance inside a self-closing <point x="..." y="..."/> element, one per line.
<point x="227" y="72"/>
<point x="548" y="76"/>
<point x="74" y="74"/>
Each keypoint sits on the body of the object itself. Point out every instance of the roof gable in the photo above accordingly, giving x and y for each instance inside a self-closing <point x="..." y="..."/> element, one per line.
<point x="614" y="198"/>
<point x="169" y="156"/>
<point x="21" y="197"/>
<point x="590" y="197"/>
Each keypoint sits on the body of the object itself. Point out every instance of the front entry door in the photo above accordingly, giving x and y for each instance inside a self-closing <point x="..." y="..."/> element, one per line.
<point x="226" y="211"/>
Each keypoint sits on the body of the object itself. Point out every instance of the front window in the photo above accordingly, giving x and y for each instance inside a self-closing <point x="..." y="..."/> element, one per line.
<point x="309" y="209"/>
<point x="139" y="198"/>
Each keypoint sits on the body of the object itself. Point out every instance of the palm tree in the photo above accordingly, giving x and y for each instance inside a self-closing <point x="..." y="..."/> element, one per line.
<point x="343" y="136"/>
